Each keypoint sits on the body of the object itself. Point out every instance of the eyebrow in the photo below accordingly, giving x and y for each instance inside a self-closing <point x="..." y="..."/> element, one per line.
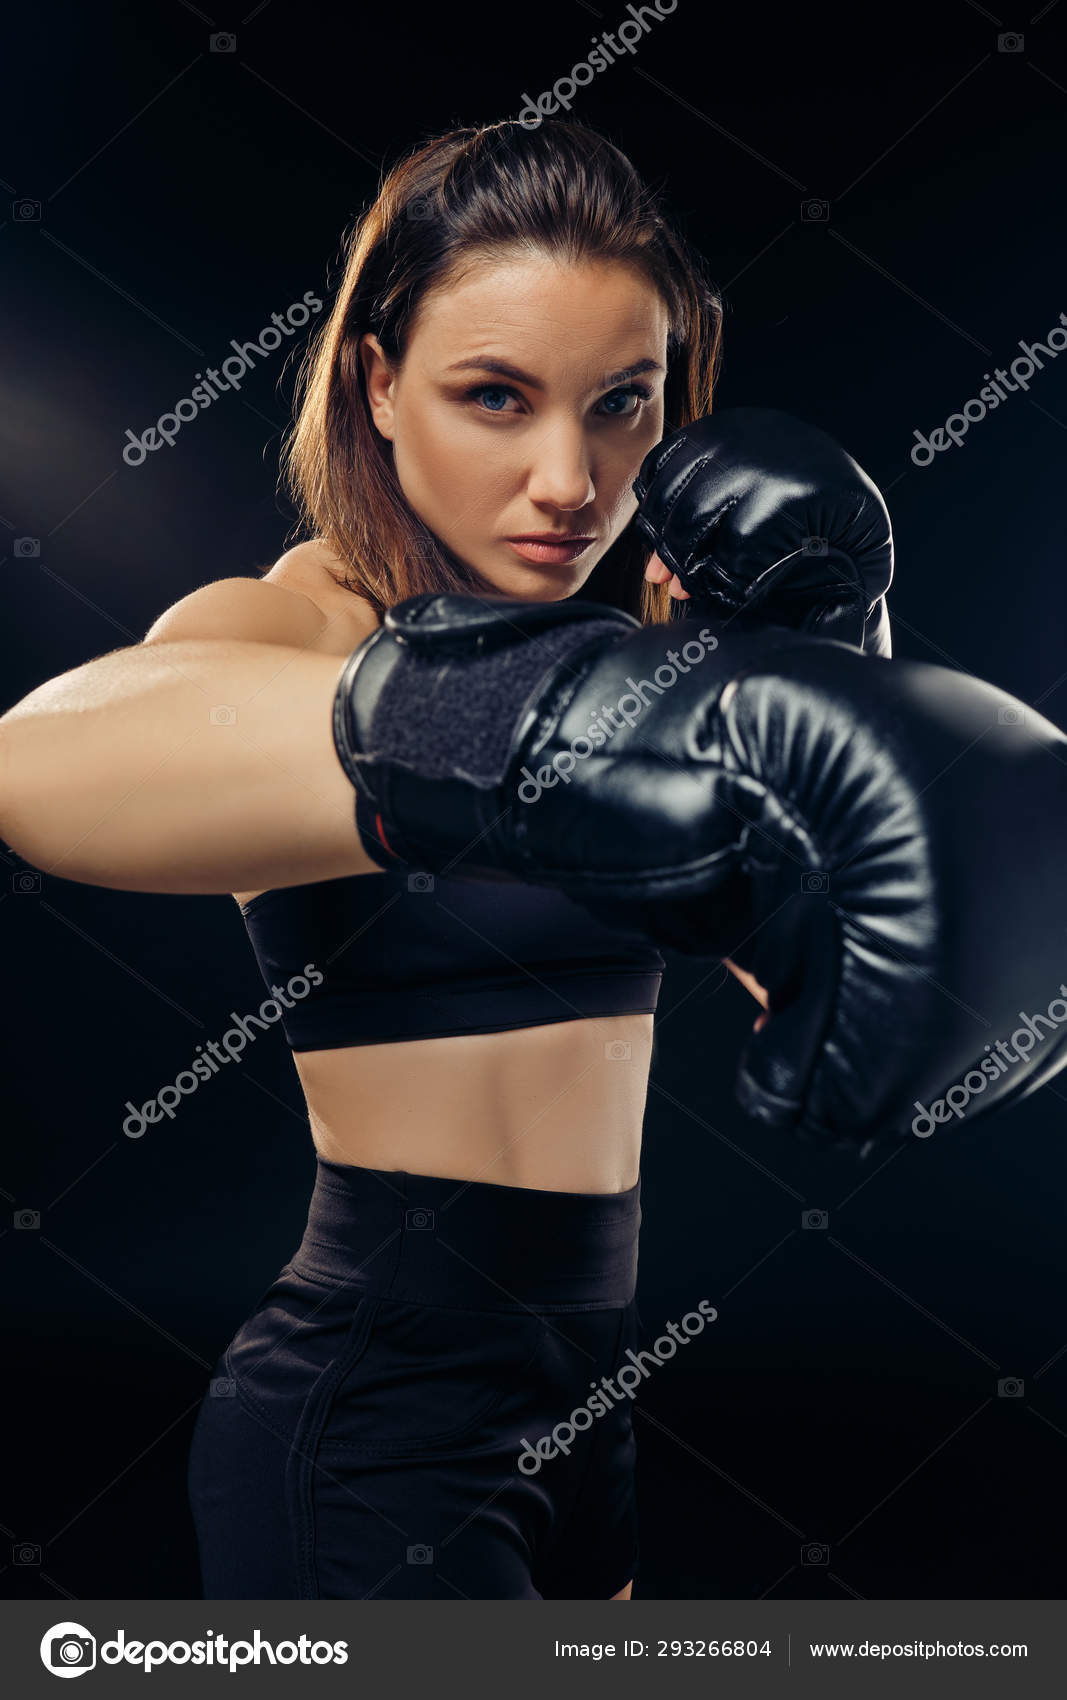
<point x="504" y="369"/>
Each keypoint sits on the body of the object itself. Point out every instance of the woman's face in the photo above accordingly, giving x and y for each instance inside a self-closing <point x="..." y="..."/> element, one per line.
<point x="529" y="394"/>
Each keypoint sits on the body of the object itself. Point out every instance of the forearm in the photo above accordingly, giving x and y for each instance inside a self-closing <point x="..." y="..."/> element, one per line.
<point x="749" y="981"/>
<point x="205" y="765"/>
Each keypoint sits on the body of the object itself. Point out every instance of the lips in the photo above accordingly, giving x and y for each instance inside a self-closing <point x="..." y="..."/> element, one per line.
<point x="551" y="549"/>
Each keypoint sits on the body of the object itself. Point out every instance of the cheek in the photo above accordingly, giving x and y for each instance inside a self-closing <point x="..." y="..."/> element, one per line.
<point x="428" y="453"/>
<point x="621" y="466"/>
<point x="445" y="469"/>
<point x="448" y="442"/>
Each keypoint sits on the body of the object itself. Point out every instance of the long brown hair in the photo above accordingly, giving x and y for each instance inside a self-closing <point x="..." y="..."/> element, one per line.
<point x="561" y="189"/>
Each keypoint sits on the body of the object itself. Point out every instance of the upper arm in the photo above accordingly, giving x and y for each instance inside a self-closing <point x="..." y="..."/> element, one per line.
<point x="258" y="611"/>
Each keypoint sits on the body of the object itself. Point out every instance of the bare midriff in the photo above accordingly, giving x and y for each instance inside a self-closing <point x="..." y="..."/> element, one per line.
<point x="557" y="1107"/>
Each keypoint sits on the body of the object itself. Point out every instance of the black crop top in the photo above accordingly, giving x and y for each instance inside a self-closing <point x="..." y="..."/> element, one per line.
<point x="400" y="955"/>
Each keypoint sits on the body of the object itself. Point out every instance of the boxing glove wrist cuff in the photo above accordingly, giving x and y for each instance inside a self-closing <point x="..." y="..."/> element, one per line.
<point x="431" y="712"/>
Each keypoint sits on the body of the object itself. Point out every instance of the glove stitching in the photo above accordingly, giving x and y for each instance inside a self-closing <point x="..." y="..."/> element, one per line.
<point x="641" y="484"/>
<point x="656" y="532"/>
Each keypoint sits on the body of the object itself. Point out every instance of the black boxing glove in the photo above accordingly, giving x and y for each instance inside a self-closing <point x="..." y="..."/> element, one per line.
<point x="766" y="520"/>
<point x="839" y="826"/>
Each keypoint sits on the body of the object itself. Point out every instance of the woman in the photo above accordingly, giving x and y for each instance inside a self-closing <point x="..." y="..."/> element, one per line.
<point x="515" y="329"/>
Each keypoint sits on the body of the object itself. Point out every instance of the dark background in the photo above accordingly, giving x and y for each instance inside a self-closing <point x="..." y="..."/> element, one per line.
<point x="848" y="1393"/>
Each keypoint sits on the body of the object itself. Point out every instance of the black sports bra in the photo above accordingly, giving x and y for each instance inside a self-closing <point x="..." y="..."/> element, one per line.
<point x="399" y="955"/>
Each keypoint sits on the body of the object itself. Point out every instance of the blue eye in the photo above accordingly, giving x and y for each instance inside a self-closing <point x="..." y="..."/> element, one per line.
<point x="638" y="391"/>
<point x="492" y="389"/>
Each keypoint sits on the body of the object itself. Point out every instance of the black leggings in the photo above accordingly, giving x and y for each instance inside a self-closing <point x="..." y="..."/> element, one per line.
<point x="415" y="1407"/>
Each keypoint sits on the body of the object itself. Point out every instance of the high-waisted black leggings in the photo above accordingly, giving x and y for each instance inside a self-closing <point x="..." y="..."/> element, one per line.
<point x="416" y="1407"/>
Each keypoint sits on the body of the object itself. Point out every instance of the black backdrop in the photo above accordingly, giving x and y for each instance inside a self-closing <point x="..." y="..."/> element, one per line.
<point x="880" y="198"/>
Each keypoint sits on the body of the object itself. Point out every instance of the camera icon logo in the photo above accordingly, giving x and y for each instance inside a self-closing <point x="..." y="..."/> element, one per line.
<point x="420" y="1554"/>
<point x="420" y="882"/>
<point x="1010" y="42"/>
<point x="25" y="1552"/>
<point x="421" y="209"/>
<point x="1010" y="717"/>
<point x="815" y="1219"/>
<point x="27" y="1219"/>
<point x="421" y="1221"/>
<point x="27" y="548"/>
<point x="617" y="1050"/>
<point x="223" y="714"/>
<point x="26" y="883"/>
<point x="223" y="42"/>
<point x="815" y="1552"/>
<point x="222" y="1387"/>
<point x="26" y="212"/>
<point x="68" y="1649"/>
<point x="815" y="546"/>
<point x="1010" y="1387"/>
<point x="815" y="880"/>
<point x="814" y="212"/>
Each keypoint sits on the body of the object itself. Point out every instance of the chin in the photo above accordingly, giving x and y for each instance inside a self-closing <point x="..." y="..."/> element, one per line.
<point x="533" y="584"/>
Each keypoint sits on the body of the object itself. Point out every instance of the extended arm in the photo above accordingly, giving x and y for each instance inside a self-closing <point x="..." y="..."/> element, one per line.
<point x="197" y="761"/>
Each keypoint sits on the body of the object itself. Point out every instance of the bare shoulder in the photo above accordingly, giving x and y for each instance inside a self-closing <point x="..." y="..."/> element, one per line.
<point x="313" y="570"/>
<point x="317" y="573"/>
<point x="297" y="602"/>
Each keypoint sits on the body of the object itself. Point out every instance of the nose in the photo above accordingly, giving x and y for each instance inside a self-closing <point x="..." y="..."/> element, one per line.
<point x="561" y="474"/>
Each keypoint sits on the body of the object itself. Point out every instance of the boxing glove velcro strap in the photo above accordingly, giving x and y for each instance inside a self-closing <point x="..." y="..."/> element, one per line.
<point x="453" y="707"/>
